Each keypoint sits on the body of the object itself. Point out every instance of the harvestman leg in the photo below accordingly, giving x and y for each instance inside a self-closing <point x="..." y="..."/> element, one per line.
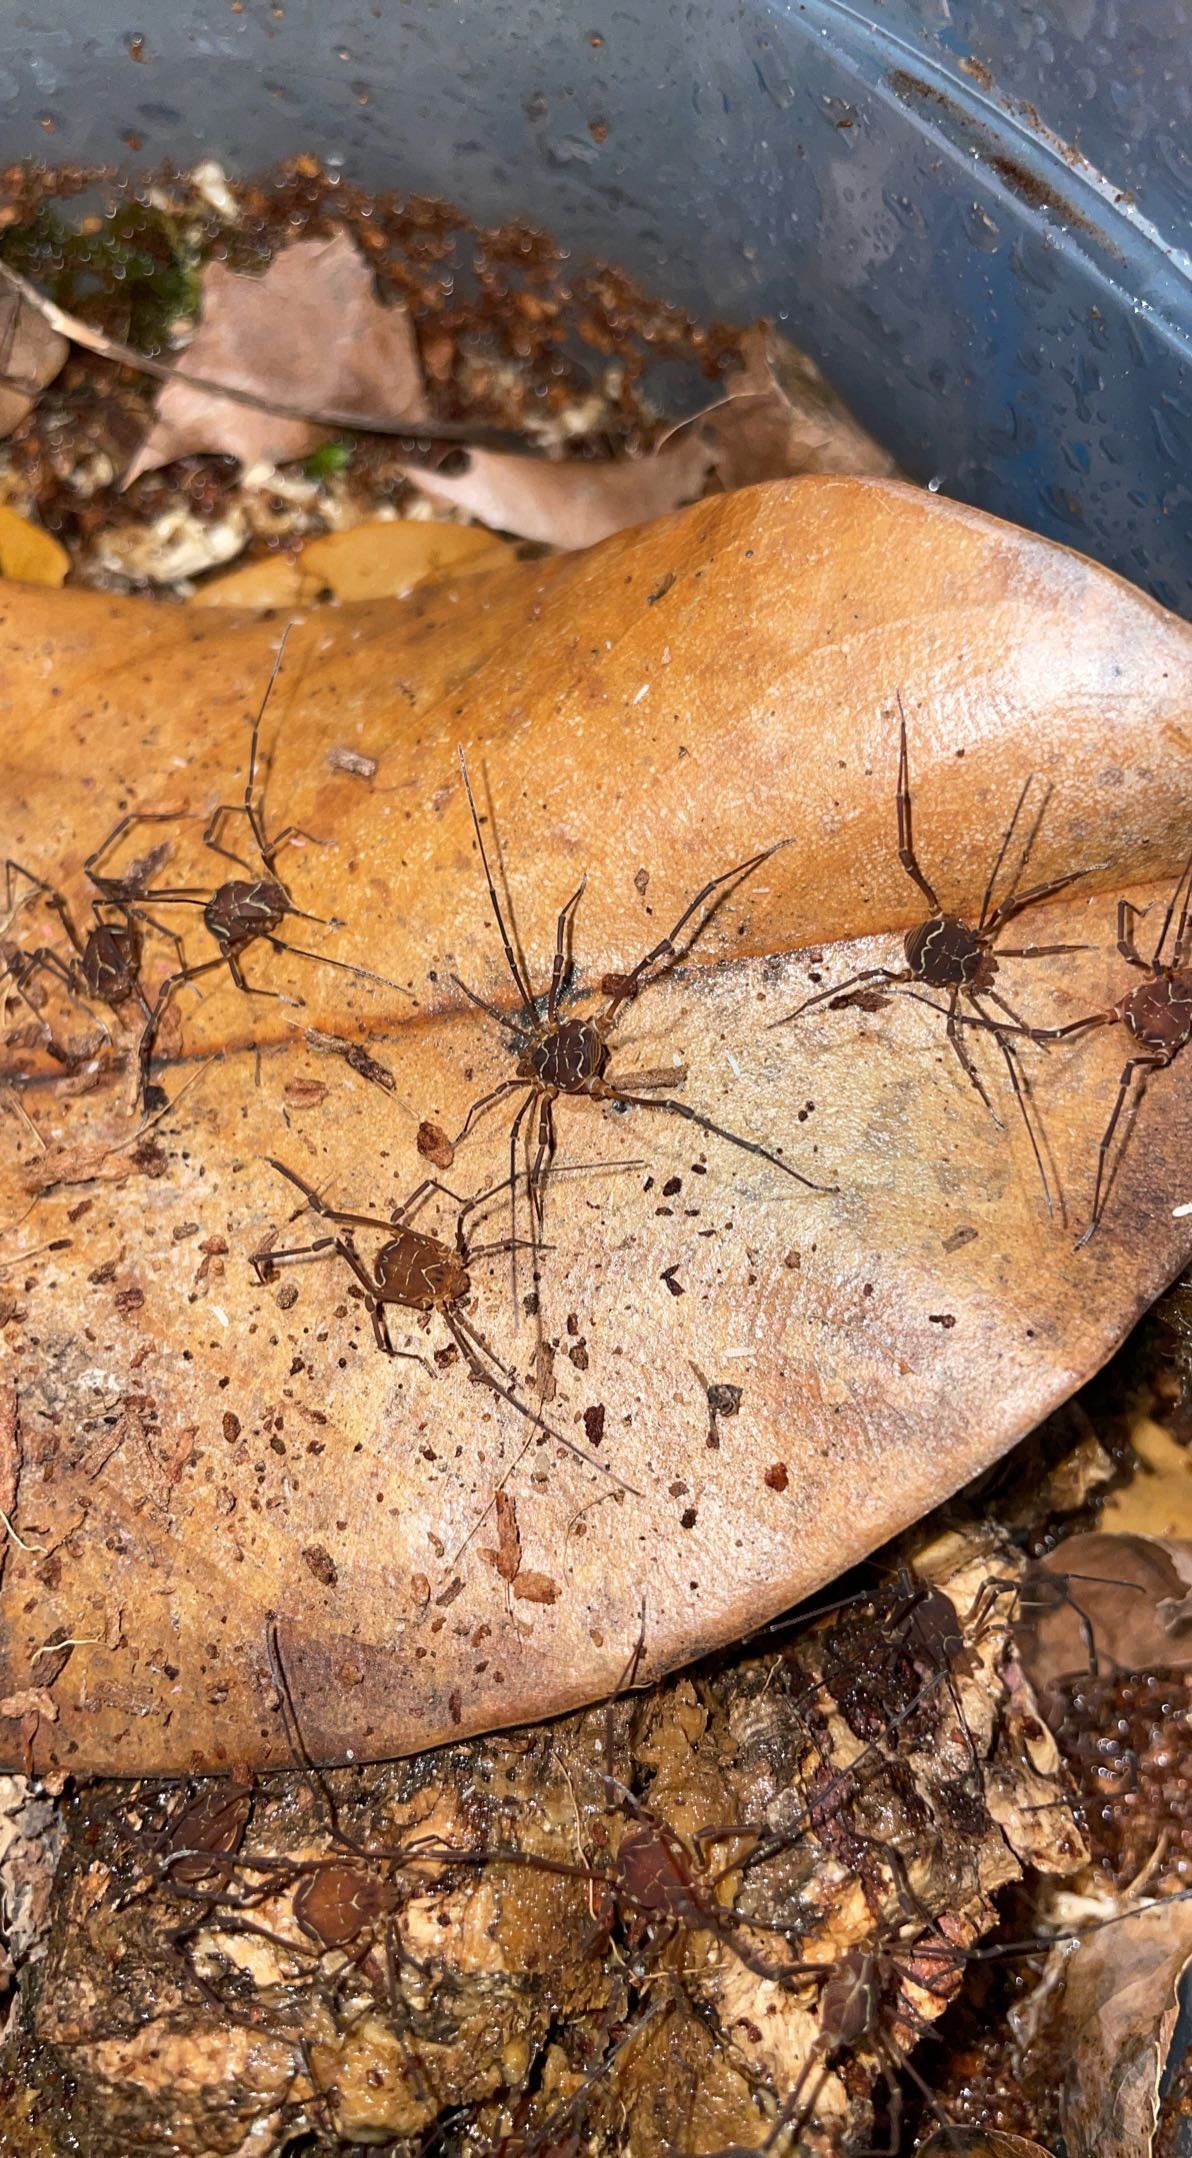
<point x="718" y="1131"/>
<point x="631" y="985"/>
<point x="906" y="834"/>
<point x="1133" y="1069"/>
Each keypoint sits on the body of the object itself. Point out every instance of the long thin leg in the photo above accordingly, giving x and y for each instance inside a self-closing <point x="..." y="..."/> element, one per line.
<point x="50" y="894"/>
<point x="519" y="979"/>
<point x="825" y="996"/>
<point x="486" y="1102"/>
<point x="342" y="966"/>
<point x="153" y="1025"/>
<point x="1182" y="950"/>
<point x="114" y="887"/>
<point x="319" y="1205"/>
<point x="474" y="1349"/>
<point x="1021" y="1089"/>
<point x="965" y="1061"/>
<point x="1127" y="915"/>
<point x="984" y="920"/>
<point x="254" y="812"/>
<point x="1039" y="951"/>
<point x="514" y="1177"/>
<point x="718" y="1131"/>
<point x="1173" y="903"/>
<point x="906" y="833"/>
<point x="514" y="1027"/>
<point x="631" y="984"/>
<point x="1103" y="1180"/>
<point x="563" y="929"/>
<point x="1033" y="898"/>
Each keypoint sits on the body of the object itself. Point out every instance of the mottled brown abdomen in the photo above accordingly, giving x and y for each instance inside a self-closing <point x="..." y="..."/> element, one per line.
<point x="1159" y="1012"/>
<point x="946" y="954"/>
<point x="567" y="1056"/>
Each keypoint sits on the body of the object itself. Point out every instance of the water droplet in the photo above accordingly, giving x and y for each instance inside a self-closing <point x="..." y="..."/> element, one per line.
<point x="981" y="229"/>
<point x="934" y="485"/>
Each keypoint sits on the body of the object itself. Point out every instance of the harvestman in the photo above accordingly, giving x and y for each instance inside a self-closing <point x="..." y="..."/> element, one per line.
<point x="1156" y="1013"/>
<point x="962" y="958"/>
<point x="414" y="1271"/>
<point x="566" y="1056"/>
<point x="241" y="911"/>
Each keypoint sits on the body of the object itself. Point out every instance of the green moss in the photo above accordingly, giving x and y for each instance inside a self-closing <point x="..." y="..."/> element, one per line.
<point x="133" y="278"/>
<point x="330" y="459"/>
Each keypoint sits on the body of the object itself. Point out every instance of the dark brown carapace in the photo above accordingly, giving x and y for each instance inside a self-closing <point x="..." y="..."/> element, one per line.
<point x="559" y="1055"/>
<point x="961" y="959"/>
<point x="1156" y="1013"/>
<point x="103" y="961"/>
<point x="414" y="1271"/>
<point x="240" y="912"/>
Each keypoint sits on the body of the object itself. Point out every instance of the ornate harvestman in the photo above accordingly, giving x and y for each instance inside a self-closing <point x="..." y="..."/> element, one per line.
<point x="963" y="957"/>
<point x="570" y="1056"/>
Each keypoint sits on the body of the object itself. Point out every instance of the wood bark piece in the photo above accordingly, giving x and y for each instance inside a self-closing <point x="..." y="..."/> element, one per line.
<point x="204" y="1455"/>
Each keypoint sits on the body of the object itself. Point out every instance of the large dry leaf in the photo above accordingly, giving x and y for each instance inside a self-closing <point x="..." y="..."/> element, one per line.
<point x="375" y="560"/>
<point x="27" y="554"/>
<point x="309" y="332"/>
<point x="202" y="1453"/>
<point x="31" y="354"/>
<point x="1124" y="1602"/>
<point x="1114" y="2029"/>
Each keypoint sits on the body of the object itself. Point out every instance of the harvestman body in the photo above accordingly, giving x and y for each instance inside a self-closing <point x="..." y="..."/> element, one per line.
<point x="962" y="958"/>
<point x="570" y="1056"/>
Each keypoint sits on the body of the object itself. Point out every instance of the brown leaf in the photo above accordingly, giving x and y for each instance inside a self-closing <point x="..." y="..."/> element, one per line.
<point x="1114" y="2028"/>
<point x="434" y="1145"/>
<point x="536" y="1588"/>
<point x="1125" y="1600"/>
<point x="507" y="1556"/>
<point x="793" y="615"/>
<point x="31" y="354"/>
<point x="571" y="503"/>
<point x="375" y="560"/>
<point x="781" y="418"/>
<point x="309" y="332"/>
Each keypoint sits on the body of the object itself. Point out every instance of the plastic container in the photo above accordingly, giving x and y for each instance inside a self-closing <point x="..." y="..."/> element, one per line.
<point x="996" y="286"/>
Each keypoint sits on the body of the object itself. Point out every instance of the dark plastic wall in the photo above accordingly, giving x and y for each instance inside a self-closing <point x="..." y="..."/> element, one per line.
<point x="971" y="214"/>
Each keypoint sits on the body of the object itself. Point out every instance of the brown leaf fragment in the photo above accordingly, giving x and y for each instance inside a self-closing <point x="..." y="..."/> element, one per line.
<point x="781" y="418"/>
<point x="572" y="503"/>
<point x="31" y="354"/>
<point x="1125" y="1599"/>
<point x="1114" y="2027"/>
<point x="309" y="332"/>
<point x="434" y="1145"/>
<point x="507" y="1556"/>
<point x="536" y="1588"/>
<point x="30" y="1701"/>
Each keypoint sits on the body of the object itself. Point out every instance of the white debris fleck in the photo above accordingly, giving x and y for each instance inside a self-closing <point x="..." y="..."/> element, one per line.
<point x="644" y="691"/>
<point x="211" y="181"/>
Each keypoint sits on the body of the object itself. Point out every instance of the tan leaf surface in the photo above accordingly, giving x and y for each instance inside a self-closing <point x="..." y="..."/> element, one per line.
<point x="781" y="418"/>
<point x="1114" y="2028"/>
<point x="188" y="1433"/>
<point x="27" y="554"/>
<point x="31" y="354"/>
<point x="309" y="332"/>
<point x="376" y="560"/>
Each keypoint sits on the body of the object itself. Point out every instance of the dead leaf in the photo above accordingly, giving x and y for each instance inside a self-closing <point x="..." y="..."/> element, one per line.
<point x="31" y="354"/>
<point x="378" y="560"/>
<point x="309" y="332"/>
<point x="434" y="1145"/>
<point x="507" y="1556"/>
<point x="572" y="502"/>
<point x="824" y="1311"/>
<point x="1134" y="1596"/>
<point x="1114" y="2028"/>
<point x="780" y="418"/>
<point x="27" y="554"/>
